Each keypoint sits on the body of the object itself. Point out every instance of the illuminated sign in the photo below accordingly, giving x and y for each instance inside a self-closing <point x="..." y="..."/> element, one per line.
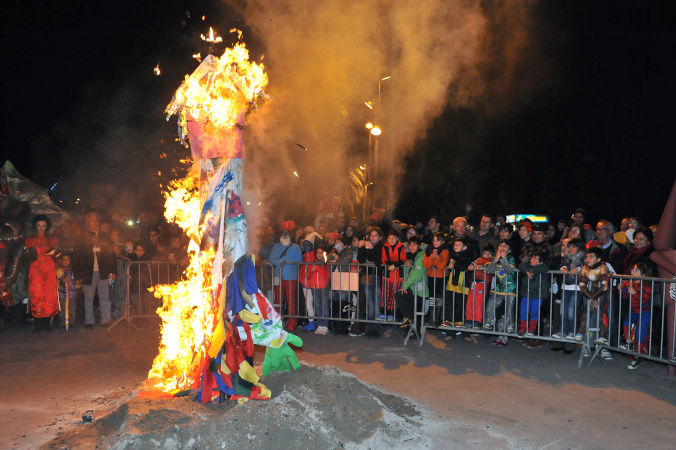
<point x="535" y="218"/>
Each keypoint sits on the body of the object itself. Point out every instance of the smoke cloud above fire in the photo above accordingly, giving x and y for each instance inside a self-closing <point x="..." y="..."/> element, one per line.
<point x="326" y="59"/>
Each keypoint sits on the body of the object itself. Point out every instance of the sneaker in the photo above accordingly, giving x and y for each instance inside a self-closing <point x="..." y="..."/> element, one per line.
<point x="570" y="336"/>
<point x="635" y="363"/>
<point x="601" y="341"/>
<point x="476" y="327"/>
<point x="355" y="334"/>
<point x="578" y="337"/>
<point x="322" y="330"/>
<point x="390" y="318"/>
<point x="510" y="330"/>
<point x="501" y="341"/>
<point x="605" y="354"/>
<point x="381" y="318"/>
<point x="556" y="335"/>
<point x="310" y="326"/>
<point x="446" y="324"/>
<point x="585" y="352"/>
<point x="459" y="324"/>
<point x="533" y="343"/>
<point x="521" y="334"/>
<point x="488" y="326"/>
<point x="529" y="333"/>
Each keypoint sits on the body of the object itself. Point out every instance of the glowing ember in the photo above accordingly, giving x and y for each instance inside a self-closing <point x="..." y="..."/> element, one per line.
<point x="211" y="37"/>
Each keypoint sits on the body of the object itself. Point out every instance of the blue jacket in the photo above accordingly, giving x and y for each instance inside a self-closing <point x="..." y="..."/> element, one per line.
<point x="289" y="271"/>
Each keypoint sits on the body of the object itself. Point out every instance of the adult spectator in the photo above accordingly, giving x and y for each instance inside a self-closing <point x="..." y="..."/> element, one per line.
<point x="94" y="261"/>
<point x="177" y="252"/>
<point x="484" y="234"/>
<point x="525" y="231"/>
<point x="614" y="253"/>
<point x="432" y="228"/>
<point x="370" y="253"/>
<point x="460" y="232"/>
<point x="286" y="275"/>
<point x="643" y="247"/>
<point x="470" y="215"/>
<point x="154" y="250"/>
<point x="42" y="291"/>
<point x="575" y="231"/>
<point x="578" y="219"/>
<point x="541" y="243"/>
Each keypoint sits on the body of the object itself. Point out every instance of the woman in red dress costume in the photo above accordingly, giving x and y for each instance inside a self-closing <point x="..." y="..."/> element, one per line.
<point x="42" y="291"/>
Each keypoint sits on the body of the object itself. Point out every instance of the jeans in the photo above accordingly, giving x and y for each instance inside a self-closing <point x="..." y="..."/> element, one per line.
<point x="569" y="306"/>
<point x="104" y="299"/>
<point x="321" y="305"/>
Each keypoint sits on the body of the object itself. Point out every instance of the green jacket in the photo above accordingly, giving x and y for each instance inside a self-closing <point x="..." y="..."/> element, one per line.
<point x="416" y="274"/>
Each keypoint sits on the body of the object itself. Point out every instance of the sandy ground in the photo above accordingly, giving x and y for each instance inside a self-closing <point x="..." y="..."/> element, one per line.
<point x="349" y="393"/>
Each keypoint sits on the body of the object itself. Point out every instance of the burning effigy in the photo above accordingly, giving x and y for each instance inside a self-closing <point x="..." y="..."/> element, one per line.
<point x="213" y="317"/>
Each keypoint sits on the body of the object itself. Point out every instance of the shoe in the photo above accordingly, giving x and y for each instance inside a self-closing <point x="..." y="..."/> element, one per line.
<point x="578" y="338"/>
<point x="355" y="334"/>
<point x="635" y="363"/>
<point x="556" y="335"/>
<point x="390" y="318"/>
<point x="501" y="341"/>
<point x="459" y="324"/>
<point x="529" y="333"/>
<point x="570" y="336"/>
<point x="605" y="354"/>
<point x="585" y="352"/>
<point x="533" y="343"/>
<point x="381" y="318"/>
<point x="310" y="326"/>
<point x="510" y="330"/>
<point x="476" y="327"/>
<point x="89" y="326"/>
<point x="322" y="331"/>
<point x="446" y="324"/>
<point x="488" y="326"/>
<point x="406" y="323"/>
<point x="601" y="341"/>
<point x="521" y="334"/>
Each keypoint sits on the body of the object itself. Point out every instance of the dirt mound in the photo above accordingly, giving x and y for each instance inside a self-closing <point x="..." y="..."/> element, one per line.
<point x="310" y="407"/>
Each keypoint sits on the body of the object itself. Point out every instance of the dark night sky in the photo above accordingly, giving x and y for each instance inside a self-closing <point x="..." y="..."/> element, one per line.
<point x="597" y="133"/>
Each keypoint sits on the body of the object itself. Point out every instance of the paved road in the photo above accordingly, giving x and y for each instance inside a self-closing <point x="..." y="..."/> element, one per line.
<point x="510" y="397"/>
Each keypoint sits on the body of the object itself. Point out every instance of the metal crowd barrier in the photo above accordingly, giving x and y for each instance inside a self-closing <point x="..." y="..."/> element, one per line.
<point x="360" y="293"/>
<point x="139" y="303"/>
<point x="354" y="293"/>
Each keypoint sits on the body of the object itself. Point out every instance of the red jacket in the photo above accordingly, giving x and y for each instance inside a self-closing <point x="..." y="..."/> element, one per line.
<point x="315" y="276"/>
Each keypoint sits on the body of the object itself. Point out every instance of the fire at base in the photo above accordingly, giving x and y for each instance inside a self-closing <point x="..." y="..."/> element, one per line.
<point x="214" y="316"/>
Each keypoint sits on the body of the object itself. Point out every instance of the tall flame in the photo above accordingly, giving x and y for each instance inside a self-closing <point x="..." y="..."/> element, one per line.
<point x="217" y="93"/>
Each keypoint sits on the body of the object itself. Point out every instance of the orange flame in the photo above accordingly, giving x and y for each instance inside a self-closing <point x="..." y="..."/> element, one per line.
<point x="217" y="93"/>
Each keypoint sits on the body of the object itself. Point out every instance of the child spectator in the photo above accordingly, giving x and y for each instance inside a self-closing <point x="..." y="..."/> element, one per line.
<point x="534" y="289"/>
<point x="315" y="279"/>
<point x="394" y="257"/>
<point x="68" y="287"/>
<point x="435" y="261"/>
<point x="504" y="268"/>
<point x="636" y="323"/>
<point x="460" y="259"/>
<point x="593" y="282"/>
<point x="571" y="264"/>
<point x="478" y="288"/>
<point x="413" y="286"/>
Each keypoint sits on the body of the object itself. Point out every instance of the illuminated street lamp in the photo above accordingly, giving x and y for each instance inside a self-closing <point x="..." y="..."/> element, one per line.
<point x="376" y="131"/>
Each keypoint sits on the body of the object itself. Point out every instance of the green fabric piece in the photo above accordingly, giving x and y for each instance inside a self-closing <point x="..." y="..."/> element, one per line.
<point x="282" y="358"/>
